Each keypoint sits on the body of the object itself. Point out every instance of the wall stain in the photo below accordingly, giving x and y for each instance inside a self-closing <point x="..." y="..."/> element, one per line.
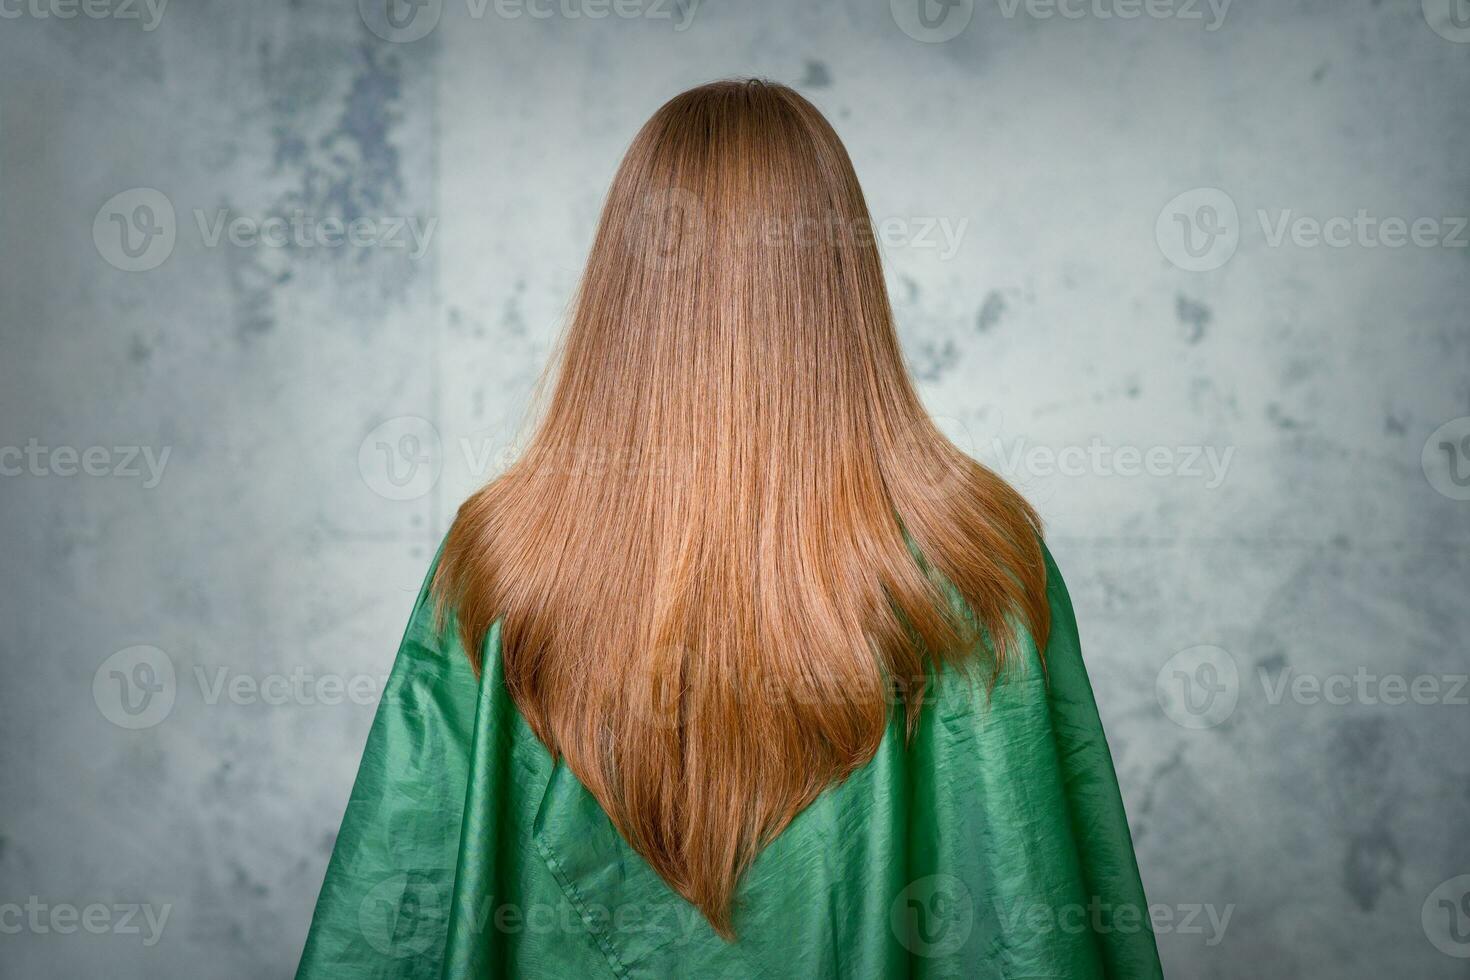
<point x="991" y="311"/>
<point x="1195" y="317"/>
<point x="816" y="75"/>
<point x="1362" y="757"/>
<point x="1278" y="418"/>
<point x="1372" y="864"/>
<point x="934" y="359"/>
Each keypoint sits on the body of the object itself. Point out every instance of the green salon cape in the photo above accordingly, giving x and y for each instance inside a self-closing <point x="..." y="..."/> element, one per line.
<point x="992" y="844"/>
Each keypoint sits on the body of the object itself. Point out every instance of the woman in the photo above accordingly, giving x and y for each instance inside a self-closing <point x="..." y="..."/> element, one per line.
<point x="741" y="669"/>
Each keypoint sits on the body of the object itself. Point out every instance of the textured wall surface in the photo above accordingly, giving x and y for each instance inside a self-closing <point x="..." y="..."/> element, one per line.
<point x="1193" y="275"/>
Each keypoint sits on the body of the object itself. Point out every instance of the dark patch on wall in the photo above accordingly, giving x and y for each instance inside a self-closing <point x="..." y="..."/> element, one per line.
<point x="1173" y="763"/>
<point x="1361" y="757"/>
<point x="933" y="361"/>
<point x="252" y="285"/>
<point x="368" y="173"/>
<point x="816" y="75"/>
<point x="1298" y="369"/>
<point x="352" y="169"/>
<point x="512" y="319"/>
<point x="1274" y="664"/>
<point x="1372" y="864"/>
<point x="1278" y="418"/>
<point x="991" y="311"/>
<point x="243" y="885"/>
<point x="910" y="289"/>
<point x="1195" y="317"/>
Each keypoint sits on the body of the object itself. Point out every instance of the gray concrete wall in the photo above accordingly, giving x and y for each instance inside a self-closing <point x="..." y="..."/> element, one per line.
<point x="1235" y="435"/>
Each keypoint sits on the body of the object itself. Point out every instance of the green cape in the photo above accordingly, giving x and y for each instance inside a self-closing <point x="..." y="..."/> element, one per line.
<point x="993" y="843"/>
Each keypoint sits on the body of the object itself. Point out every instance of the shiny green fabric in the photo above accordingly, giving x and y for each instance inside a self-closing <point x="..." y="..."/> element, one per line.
<point x="991" y="844"/>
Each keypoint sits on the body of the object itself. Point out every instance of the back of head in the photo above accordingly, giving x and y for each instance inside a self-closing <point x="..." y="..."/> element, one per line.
<point x="728" y="544"/>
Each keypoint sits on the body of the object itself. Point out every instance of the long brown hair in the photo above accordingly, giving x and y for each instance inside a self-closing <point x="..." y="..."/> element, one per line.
<point x="735" y="542"/>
